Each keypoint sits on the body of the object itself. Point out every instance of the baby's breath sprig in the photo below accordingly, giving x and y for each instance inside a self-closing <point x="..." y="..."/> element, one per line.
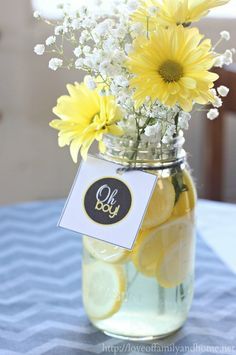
<point x="101" y="44"/>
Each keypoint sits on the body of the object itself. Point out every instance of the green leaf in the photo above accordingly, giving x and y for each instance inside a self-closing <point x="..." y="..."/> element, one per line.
<point x="178" y="183"/>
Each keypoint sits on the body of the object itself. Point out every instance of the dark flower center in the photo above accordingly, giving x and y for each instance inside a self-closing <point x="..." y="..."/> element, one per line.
<point x="171" y="71"/>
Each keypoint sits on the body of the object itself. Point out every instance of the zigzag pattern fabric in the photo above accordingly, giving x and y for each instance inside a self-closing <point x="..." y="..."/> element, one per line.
<point x="40" y="293"/>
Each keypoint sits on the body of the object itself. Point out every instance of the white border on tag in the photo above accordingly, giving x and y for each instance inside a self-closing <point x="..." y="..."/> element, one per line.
<point x="63" y="222"/>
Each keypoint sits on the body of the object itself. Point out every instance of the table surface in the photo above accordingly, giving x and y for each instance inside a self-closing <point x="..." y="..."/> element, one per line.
<point x="40" y="296"/>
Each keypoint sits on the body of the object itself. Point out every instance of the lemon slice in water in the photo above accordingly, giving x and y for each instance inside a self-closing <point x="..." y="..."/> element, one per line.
<point x="161" y="204"/>
<point x="187" y="199"/>
<point x="105" y="251"/>
<point x="104" y="286"/>
<point x="146" y="251"/>
<point x="175" y="263"/>
<point x="153" y="247"/>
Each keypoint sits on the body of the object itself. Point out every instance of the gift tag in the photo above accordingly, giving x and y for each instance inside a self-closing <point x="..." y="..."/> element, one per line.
<point x="107" y="205"/>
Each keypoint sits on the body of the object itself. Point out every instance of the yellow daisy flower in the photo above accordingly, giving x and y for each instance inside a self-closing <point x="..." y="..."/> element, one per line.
<point x="84" y="117"/>
<point x="175" y="11"/>
<point x="173" y="67"/>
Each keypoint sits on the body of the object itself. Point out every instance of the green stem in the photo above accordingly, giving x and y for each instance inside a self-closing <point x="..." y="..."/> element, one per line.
<point x="140" y="131"/>
<point x="217" y="44"/>
<point x="147" y="27"/>
<point x="176" y="124"/>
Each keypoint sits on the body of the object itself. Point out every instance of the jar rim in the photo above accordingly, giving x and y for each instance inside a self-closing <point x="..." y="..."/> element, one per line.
<point x="122" y="149"/>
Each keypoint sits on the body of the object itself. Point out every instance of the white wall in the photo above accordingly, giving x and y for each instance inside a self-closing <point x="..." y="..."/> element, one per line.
<point x="31" y="164"/>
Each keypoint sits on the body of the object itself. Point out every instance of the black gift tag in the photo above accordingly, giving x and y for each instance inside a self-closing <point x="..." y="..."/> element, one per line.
<point x="108" y="201"/>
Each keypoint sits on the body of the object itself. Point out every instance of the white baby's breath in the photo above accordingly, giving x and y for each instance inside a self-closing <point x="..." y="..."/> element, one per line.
<point x="59" y="30"/>
<point x="218" y="102"/>
<point x="50" y="40"/>
<point x="183" y="121"/>
<point x="39" y="49"/>
<point x="153" y="130"/>
<point x="228" y="57"/>
<point x="100" y="45"/>
<point x="75" y="24"/>
<point x="128" y="48"/>
<point x="79" y="63"/>
<point x="132" y="5"/>
<point x="219" y="61"/>
<point x="36" y="14"/>
<point x="86" y="50"/>
<point x="89" y="82"/>
<point x="55" y="63"/>
<point x="152" y="10"/>
<point x="224" y="59"/>
<point x="223" y="91"/>
<point x="78" y="51"/>
<point x="225" y="35"/>
<point x="213" y="114"/>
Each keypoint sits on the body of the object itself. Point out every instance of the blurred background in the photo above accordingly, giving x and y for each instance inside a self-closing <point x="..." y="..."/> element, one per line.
<point x="32" y="166"/>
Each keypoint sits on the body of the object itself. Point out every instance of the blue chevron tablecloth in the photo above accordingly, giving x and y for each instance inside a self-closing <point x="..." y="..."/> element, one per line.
<point x="40" y="297"/>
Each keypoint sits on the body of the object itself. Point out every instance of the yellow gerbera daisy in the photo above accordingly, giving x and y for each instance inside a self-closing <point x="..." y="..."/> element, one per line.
<point x="173" y="67"/>
<point x="84" y="117"/>
<point x="175" y="11"/>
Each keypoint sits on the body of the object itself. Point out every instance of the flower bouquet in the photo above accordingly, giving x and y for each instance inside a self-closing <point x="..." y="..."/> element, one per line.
<point x="148" y="69"/>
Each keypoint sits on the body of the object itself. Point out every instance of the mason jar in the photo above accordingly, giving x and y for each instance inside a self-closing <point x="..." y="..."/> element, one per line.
<point x="146" y="293"/>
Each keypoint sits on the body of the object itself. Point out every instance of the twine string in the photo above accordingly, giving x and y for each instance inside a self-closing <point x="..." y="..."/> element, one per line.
<point x="131" y="168"/>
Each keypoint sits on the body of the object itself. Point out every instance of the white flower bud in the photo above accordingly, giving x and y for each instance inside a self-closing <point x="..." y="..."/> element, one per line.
<point x="153" y="130"/>
<point x="55" y="63"/>
<point x="184" y="118"/>
<point x="121" y="81"/>
<point x="102" y="92"/>
<point x="228" y="57"/>
<point x="136" y="27"/>
<point x="79" y="63"/>
<point x="75" y="24"/>
<point x="152" y="10"/>
<point x="84" y="37"/>
<point x="223" y="91"/>
<point x="212" y="114"/>
<point x="225" y="35"/>
<point x="59" y="30"/>
<point x="77" y="52"/>
<point x="36" y="14"/>
<point x="50" y="40"/>
<point x="60" y="6"/>
<point x="219" y="62"/>
<point x="128" y="48"/>
<point x="218" y="102"/>
<point x="83" y="10"/>
<point x="132" y="5"/>
<point x="89" y="82"/>
<point x="39" y="49"/>
<point x="87" y="49"/>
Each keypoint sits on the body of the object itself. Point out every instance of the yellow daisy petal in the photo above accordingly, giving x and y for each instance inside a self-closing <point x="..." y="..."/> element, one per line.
<point x="85" y="116"/>
<point x="173" y="12"/>
<point x="172" y="67"/>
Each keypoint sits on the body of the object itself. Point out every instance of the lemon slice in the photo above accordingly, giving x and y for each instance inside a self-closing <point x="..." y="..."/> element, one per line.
<point x="161" y="204"/>
<point x="152" y="245"/>
<point x="147" y="250"/>
<point x="104" y="286"/>
<point x="187" y="199"/>
<point x="105" y="251"/>
<point x="176" y="261"/>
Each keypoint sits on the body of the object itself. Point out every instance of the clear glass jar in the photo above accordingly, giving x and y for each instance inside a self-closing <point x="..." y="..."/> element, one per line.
<point x="146" y="293"/>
